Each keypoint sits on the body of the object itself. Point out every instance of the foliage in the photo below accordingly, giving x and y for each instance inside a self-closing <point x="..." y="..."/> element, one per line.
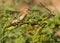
<point x="39" y="26"/>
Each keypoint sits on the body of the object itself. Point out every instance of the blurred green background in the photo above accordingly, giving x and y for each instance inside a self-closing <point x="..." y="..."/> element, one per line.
<point x="39" y="26"/>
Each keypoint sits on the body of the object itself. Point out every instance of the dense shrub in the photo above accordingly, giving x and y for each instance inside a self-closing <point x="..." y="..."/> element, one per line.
<point x="39" y="26"/>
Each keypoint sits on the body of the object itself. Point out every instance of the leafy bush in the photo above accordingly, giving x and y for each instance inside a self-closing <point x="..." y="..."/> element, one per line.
<point x="39" y="26"/>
